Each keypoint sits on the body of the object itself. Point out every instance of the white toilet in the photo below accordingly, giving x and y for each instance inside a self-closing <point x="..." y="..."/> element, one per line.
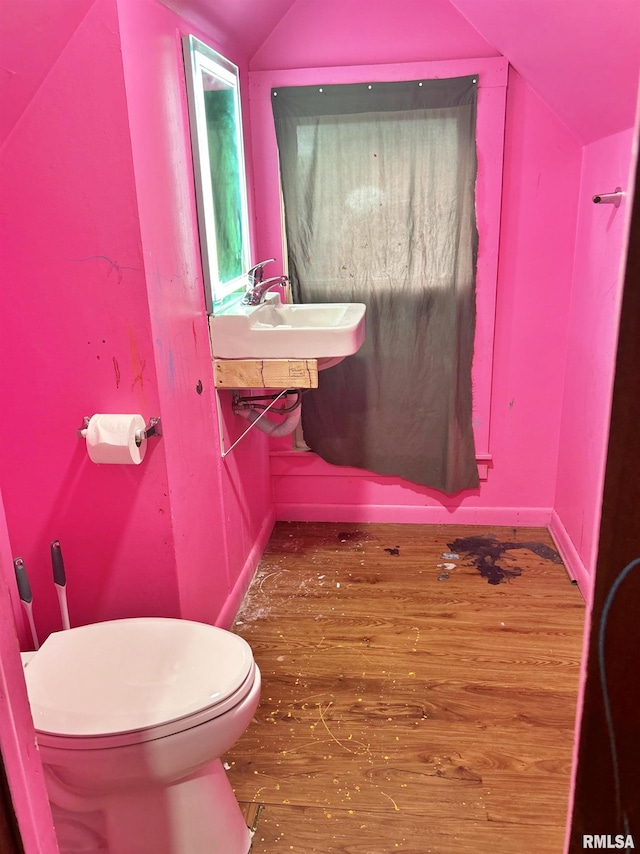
<point x="132" y="717"/>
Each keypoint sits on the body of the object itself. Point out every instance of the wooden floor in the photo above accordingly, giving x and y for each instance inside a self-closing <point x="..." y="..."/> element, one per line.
<point x="412" y="700"/>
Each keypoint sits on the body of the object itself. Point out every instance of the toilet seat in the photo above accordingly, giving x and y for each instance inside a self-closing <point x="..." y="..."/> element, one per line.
<point x="134" y="680"/>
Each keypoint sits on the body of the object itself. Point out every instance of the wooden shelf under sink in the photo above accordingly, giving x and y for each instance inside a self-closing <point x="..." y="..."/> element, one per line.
<point x="265" y="373"/>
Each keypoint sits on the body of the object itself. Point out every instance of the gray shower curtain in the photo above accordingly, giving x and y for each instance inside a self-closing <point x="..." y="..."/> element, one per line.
<point x="378" y="182"/>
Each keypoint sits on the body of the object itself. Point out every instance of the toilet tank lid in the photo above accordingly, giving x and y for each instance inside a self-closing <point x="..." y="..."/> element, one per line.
<point x="127" y="675"/>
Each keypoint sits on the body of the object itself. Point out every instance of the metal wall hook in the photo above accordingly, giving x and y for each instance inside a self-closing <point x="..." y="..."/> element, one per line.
<point x="609" y="198"/>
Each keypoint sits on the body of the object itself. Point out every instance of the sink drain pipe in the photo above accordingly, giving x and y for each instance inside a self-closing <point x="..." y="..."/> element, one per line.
<point x="242" y="407"/>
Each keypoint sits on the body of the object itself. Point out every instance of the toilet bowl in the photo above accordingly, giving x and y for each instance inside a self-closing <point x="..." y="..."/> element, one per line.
<point x="132" y="717"/>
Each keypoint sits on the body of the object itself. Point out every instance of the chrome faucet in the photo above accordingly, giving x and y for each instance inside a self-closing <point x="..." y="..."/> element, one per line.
<point x="256" y="294"/>
<point x="256" y="273"/>
<point x="257" y="285"/>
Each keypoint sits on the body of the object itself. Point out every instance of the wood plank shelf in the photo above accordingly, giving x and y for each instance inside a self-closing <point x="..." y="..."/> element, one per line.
<point x="265" y="373"/>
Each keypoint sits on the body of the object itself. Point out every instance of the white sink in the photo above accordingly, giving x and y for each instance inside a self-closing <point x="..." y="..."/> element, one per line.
<point x="327" y="332"/>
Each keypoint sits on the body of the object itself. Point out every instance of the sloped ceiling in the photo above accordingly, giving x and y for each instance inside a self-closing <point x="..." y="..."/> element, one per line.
<point x="243" y="22"/>
<point x="581" y="56"/>
<point x="32" y="35"/>
<point x="322" y="33"/>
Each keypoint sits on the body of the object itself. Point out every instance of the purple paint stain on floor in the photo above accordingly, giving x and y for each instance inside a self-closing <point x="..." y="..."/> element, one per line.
<point x="486" y="552"/>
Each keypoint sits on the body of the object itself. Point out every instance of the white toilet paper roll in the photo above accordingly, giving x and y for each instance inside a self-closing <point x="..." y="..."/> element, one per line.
<point x="112" y="439"/>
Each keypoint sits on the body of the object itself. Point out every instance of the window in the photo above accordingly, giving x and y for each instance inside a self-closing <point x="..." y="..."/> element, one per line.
<point x="378" y="182"/>
<point x="492" y="82"/>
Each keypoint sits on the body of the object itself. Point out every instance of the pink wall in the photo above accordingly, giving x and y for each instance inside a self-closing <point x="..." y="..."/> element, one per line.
<point x="104" y="306"/>
<point x="541" y="181"/>
<point x="591" y="347"/>
<point x="77" y="337"/>
<point x="103" y="311"/>
<point x="219" y="509"/>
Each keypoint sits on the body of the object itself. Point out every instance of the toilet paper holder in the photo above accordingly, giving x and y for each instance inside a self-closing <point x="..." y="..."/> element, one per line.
<point x="154" y="428"/>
